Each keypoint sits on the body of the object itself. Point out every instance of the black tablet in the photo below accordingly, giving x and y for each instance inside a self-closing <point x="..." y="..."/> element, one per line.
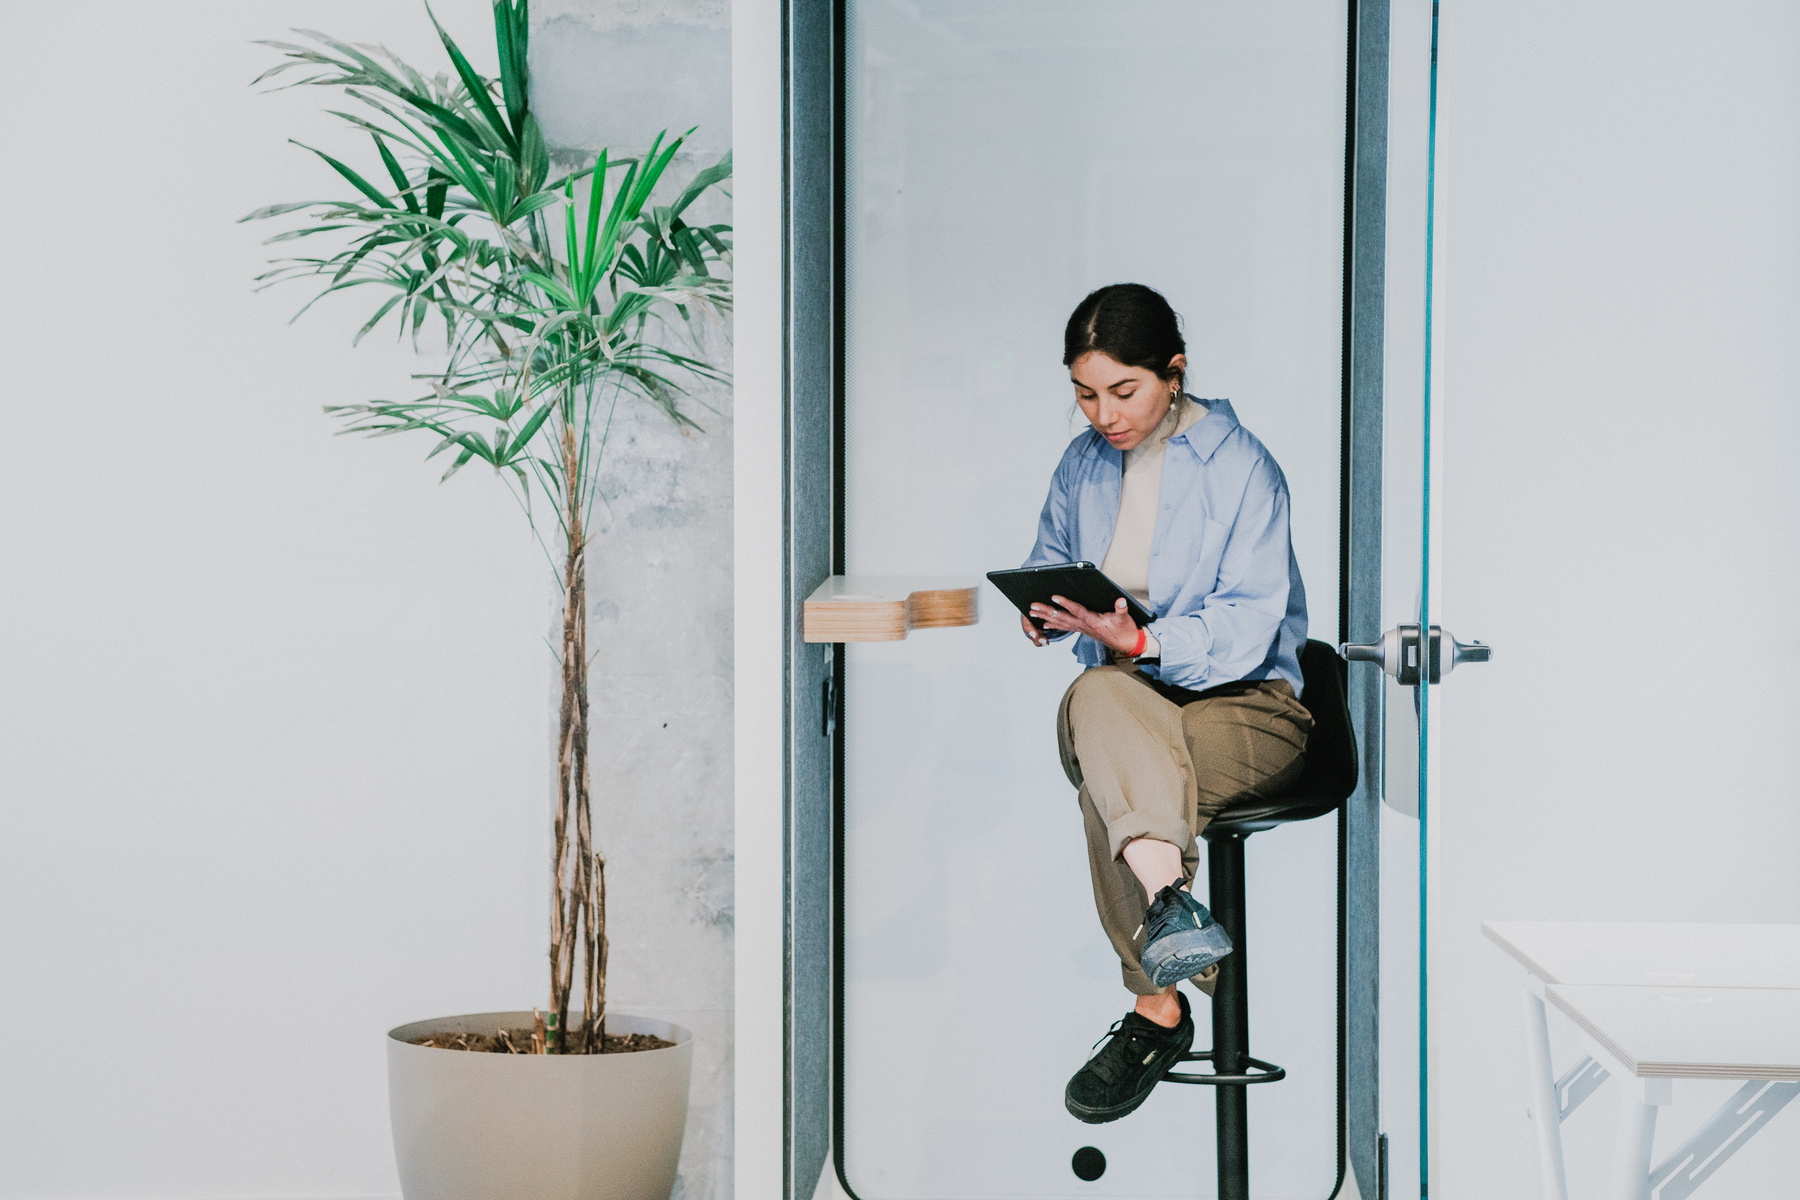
<point x="1082" y="582"/>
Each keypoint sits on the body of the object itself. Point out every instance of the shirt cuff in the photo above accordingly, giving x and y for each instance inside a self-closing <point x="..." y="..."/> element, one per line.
<point x="1152" y="647"/>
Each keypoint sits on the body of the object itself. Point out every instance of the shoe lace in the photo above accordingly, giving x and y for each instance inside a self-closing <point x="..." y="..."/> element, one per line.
<point x="1169" y="906"/>
<point x="1120" y="1054"/>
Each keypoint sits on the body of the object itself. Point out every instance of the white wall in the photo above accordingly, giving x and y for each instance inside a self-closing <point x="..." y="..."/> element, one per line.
<point x="760" y="629"/>
<point x="274" y="705"/>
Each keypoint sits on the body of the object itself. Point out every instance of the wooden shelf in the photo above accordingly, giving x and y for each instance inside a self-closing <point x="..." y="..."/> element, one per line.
<point x="884" y="608"/>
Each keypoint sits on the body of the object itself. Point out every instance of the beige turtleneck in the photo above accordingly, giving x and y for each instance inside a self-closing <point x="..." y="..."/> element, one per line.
<point x="1128" y="556"/>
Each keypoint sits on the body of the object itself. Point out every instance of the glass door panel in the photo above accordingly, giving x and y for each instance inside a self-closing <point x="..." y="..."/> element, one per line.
<point x="1003" y="160"/>
<point x="1614" y="507"/>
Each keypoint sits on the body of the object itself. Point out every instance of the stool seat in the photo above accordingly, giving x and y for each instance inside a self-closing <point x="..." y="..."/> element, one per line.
<point x="1330" y="772"/>
<point x="1254" y="816"/>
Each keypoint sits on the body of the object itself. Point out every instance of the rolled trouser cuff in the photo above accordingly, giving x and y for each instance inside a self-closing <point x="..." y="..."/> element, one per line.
<point x="1172" y="828"/>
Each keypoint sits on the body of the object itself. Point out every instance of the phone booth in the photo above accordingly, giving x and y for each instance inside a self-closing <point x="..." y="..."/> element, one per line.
<point x="1372" y="220"/>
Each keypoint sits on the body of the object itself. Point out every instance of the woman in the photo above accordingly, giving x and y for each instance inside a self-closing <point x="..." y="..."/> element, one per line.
<point x="1169" y="724"/>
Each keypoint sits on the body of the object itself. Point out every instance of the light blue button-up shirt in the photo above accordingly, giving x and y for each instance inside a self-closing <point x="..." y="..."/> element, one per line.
<point x="1224" y="584"/>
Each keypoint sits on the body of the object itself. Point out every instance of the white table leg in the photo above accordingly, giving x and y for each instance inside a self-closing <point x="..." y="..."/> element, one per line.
<point x="1709" y="1147"/>
<point x="1637" y="1131"/>
<point x="1540" y="1083"/>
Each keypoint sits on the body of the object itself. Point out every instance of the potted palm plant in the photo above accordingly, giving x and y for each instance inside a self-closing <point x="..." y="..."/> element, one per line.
<point x="557" y="300"/>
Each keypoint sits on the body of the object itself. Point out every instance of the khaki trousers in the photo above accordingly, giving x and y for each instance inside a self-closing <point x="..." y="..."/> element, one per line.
<point x="1152" y="760"/>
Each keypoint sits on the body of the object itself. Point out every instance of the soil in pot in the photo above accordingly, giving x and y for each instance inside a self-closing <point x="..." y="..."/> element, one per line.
<point x="518" y="1041"/>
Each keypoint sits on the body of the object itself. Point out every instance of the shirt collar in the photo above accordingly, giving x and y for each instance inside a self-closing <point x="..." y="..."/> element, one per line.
<point x="1205" y="435"/>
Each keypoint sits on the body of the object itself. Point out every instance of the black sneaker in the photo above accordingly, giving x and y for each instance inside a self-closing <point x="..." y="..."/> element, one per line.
<point x="1181" y="939"/>
<point x="1120" y="1077"/>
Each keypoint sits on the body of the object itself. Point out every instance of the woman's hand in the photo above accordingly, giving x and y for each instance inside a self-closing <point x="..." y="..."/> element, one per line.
<point x="1114" y="630"/>
<point x="1031" y="631"/>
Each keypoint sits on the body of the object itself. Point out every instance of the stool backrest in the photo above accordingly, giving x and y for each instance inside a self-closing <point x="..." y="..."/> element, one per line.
<point x="1330" y="773"/>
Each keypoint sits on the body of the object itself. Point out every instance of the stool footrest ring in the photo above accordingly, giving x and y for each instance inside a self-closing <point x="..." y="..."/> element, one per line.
<point x="1265" y="1072"/>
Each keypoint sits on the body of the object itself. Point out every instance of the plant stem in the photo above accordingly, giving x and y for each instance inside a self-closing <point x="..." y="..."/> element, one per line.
<point x="578" y="909"/>
<point x="594" y="998"/>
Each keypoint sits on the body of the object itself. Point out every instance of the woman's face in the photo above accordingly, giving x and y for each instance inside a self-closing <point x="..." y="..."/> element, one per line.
<point x="1125" y="404"/>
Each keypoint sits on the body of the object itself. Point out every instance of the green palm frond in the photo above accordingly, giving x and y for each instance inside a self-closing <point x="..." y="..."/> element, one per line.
<point x="452" y="222"/>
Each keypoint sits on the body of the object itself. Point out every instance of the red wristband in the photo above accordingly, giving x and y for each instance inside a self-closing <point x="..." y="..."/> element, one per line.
<point x="1143" y="640"/>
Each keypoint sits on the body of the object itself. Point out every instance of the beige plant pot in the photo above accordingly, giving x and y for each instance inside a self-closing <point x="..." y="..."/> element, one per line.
<point x="470" y="1126"/>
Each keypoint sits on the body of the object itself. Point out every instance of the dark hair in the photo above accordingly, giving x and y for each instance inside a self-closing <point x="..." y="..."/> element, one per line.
<point x="1128" y="322"/>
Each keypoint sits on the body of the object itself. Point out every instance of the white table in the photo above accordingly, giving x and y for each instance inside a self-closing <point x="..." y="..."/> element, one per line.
<point x="1656" y="1003"/>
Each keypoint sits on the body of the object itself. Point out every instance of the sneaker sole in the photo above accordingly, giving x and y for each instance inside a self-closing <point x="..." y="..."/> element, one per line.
<point x="1184" y="954"/>
<point x="1100" y="1116"/>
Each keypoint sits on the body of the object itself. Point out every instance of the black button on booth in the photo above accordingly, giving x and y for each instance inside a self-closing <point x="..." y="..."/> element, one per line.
<point x="1326" y="781"/>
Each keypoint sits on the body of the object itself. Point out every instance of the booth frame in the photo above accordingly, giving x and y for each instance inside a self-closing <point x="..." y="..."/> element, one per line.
<point x="813" y="324"/>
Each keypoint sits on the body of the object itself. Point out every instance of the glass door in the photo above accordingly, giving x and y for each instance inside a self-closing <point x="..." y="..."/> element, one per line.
<point x="1608" y="497"/>
<point x="1002" y="160"/>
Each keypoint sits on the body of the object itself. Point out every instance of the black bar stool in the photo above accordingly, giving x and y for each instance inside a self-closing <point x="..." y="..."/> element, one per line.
<point x="1328" y="778"/>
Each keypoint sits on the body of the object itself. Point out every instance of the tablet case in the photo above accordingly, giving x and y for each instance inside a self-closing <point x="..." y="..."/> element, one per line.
<point x="1082" y="582"/>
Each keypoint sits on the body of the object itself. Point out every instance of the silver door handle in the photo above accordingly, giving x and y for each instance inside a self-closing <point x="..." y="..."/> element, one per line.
<point x="1399" y="653"/>
<point x="1470" y="652"/>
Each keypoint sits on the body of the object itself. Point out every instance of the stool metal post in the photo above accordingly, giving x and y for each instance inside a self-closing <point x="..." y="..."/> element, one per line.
<point x="1231" y="1016"/>
<point x="1329" y="776"/>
